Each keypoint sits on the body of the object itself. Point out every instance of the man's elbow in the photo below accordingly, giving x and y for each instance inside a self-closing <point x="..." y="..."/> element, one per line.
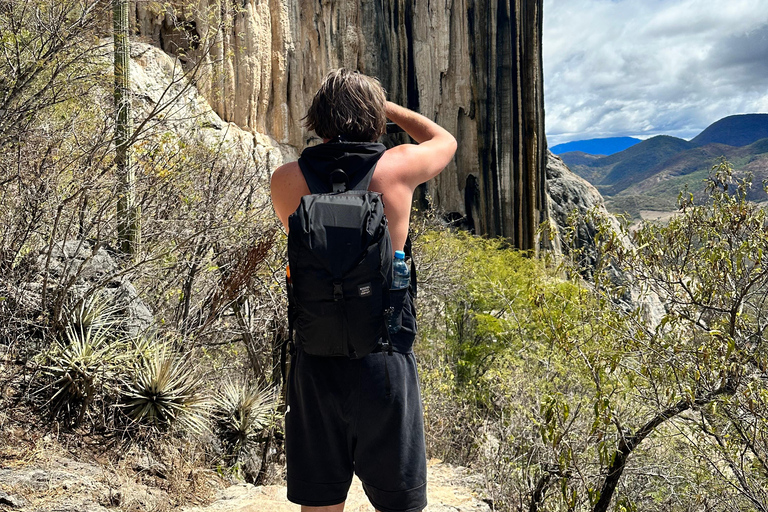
<point x="449" y="147"/>
<point x="452" y="145"/>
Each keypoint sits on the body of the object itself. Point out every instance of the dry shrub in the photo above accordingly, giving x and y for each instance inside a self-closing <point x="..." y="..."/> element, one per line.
<point x="209" y="268"/>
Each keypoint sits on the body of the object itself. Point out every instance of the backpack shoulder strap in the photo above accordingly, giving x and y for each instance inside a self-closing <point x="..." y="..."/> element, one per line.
<point x="356" y="159"/>
<point x="315" y="183"/>
<point x="365" y="181"/>
<point x="409" y="254"/>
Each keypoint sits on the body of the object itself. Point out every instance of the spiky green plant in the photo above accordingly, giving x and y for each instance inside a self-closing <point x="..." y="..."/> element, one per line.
<point x="165" y="391"/>
<point x="90" y="313"/>
<point x="83" y="361"/>
<point x="242" y="411"/>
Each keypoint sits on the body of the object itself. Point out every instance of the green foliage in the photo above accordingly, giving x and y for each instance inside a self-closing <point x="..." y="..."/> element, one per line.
<point x="708" y="267"/>
<point x="94" y="363"/>
<point x="210" y="246"/>
<point x="492" y="286"/>
<point x="650" y="375"/>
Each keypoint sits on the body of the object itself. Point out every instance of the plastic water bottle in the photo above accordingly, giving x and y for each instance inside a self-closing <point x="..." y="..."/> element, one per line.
<point x="401" y="274"/>
<point x="401" y="278"/>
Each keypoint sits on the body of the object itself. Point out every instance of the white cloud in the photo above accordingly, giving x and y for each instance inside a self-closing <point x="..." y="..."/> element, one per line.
<point x="644" y="67"/>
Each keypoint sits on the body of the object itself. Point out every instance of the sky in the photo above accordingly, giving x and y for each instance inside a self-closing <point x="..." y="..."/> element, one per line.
<point x="640" y="68"/>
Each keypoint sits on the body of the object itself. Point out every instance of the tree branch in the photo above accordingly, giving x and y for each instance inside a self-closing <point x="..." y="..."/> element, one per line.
<point x="628" y="443"/>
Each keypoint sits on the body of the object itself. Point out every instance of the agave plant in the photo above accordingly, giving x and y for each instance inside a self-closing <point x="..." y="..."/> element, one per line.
<point x="165" y="391"/>
<point x="242" y="411"/>
<point x="83" y="360"/>
<point x="90" y="313"/>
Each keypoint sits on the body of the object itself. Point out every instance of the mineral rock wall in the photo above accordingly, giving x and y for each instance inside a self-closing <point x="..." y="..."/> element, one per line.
<point x="472" y="66"/>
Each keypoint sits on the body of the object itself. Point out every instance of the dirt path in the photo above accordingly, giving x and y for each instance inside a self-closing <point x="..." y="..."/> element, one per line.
<point x="60" y="484"/>
<point x="447" y="492"/>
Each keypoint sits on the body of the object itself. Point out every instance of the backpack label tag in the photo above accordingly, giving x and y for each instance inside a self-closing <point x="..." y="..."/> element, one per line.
<point x="364" y="290"/>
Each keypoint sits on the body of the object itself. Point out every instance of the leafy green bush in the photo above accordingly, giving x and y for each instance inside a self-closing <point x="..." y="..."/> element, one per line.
<point x="642" y="389"/>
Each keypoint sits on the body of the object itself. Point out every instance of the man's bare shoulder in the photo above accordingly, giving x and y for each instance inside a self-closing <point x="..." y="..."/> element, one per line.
<point x="396" y="158"/>
<point x="286" y="171"/>
<point x="289" y="179"/>
<point x="415" y="163"/>
<point x="287" y="187"/>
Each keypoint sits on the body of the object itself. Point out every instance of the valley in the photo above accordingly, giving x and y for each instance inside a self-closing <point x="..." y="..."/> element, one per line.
<point x="650" y="175"/>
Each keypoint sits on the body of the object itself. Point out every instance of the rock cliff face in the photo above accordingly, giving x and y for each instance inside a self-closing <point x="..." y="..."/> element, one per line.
<point x="474" y="66"/>
<point x="570" y="199"/>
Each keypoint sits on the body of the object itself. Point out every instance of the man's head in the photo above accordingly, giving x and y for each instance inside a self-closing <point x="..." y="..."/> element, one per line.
<point x="350" y="104"/>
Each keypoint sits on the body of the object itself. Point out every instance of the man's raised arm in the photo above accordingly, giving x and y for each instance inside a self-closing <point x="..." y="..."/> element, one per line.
<point x="435" y="149"/>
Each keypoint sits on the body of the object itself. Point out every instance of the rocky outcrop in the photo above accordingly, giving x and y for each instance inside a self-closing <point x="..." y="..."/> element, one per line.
<point x="158" y="84"/>
<point x="570" y="199"/>
<point x="74" y="271"/>
<point x="574" y="207"/>
<point x="472" y="66"/>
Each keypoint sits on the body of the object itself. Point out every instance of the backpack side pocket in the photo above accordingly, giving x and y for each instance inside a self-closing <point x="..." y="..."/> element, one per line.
<point x="404" y="317"/>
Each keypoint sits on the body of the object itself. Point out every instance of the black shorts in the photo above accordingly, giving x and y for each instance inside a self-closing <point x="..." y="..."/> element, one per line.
<point x="341" y="420"/>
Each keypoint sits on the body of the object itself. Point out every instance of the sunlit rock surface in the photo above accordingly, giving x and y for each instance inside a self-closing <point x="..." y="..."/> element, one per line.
<point x="573" y="205"/>
<point x="472" y="66"/>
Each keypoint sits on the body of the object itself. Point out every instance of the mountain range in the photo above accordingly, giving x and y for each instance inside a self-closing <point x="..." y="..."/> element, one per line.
<point x="604" y="146"/>
<point x="650" y="174"/>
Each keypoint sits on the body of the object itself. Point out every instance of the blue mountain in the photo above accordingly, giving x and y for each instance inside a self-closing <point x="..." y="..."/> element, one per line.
<point x="606" y="146"/>
<point x="739" y="130"/>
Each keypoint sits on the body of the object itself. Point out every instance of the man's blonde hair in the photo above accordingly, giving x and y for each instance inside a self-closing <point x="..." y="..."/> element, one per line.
<point x="349" y="104"/>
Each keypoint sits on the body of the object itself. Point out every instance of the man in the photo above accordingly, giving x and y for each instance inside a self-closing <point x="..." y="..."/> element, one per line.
<point x="338" y="420"/>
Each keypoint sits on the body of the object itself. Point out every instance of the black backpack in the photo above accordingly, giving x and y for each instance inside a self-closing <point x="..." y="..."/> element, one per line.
<point x="339" y="254"/>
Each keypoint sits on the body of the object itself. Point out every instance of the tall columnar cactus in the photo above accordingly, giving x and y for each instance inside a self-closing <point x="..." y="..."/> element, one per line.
<point x="128" y="213"/>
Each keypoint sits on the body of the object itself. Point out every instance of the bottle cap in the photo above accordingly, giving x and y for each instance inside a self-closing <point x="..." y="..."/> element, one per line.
<point x="400" y="255"/>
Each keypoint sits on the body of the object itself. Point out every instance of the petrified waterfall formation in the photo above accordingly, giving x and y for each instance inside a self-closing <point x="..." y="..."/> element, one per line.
<point x="472" y="66"/>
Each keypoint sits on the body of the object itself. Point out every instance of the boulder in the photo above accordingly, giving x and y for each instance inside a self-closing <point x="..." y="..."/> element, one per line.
<point x="77" y="270"/>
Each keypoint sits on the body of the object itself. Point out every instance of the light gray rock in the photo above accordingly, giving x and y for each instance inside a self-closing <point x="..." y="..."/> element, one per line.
<point x="77" y="260"/>
<point x="570" y="199"/>
<point x="80" y="271"/>
<point x="158" y="78"/>
<point x="11" y="501"/>
<point x="65" y="485"/>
